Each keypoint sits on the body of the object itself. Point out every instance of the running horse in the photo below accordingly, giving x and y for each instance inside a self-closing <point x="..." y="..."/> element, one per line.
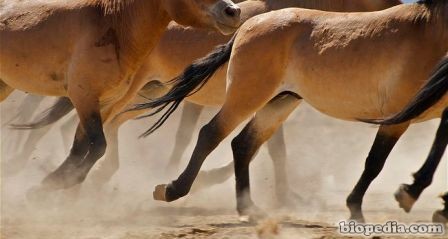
<point x="349" y="66"/>
<point x="89" y="51"/>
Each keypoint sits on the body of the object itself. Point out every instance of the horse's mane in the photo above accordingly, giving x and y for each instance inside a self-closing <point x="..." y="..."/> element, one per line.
<point x="109" y="6"/>
<point x="432" y="2"/>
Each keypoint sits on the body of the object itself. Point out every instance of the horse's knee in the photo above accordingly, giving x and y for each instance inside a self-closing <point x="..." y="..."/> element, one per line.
<point x="211" y="135"/>
<point x="98" y="146"/>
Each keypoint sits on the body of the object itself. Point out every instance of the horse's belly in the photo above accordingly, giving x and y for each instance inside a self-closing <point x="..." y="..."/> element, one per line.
<point x="347" y="99"/>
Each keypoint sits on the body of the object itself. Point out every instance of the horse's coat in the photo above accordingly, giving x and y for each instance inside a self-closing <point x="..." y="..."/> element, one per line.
<point x="90" y="52"/>
<point x="347" y="65"/>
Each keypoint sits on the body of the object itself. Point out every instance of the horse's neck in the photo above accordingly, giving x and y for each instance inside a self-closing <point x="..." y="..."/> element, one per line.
<point x="138" y="26"/>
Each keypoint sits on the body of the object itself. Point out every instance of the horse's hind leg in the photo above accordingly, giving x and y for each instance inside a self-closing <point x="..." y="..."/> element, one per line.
<point x="407" y="195"/>
<point x="5" y="91"/>
<point x="188" y="121"/>
<point x="385" y="140"/>
<point x="277" y="150"/>
<point x="246" y="144"/>
<point x="441" y="216"/>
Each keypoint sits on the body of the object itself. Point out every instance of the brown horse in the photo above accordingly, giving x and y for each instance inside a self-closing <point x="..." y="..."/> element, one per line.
<point x="89" y="51"/>
<point x="428" y="98"/>
<point x="188" y="44"/>
<point x="347" y="65"/>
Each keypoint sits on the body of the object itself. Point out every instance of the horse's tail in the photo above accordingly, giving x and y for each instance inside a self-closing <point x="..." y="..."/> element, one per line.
<point x="189" y="82"/>
<point x="427" y="97"/>
<point x="62" y="107"/>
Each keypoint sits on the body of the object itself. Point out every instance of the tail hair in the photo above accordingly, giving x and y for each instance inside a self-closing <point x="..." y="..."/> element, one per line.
<point x="431" y="93"/>
<point x="62" y="107"/>
<point x="188" y="83"/>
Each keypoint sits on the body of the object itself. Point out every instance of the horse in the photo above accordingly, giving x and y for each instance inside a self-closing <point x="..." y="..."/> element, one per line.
<point x="349" y="66"/>
<point x="89" y="51"/>
<point x="189" y="44"/>
<point x="429" y="97"/>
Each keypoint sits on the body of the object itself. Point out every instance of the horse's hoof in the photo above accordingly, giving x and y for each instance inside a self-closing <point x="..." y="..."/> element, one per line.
<point x="159" y="193"/>
<point x="358" y="218"/>
<point x="63" y="178"/>
<point x="252" y="214"/>
<point x="356" y="214"/>
<point x="440" y="216"/>
<point x="404" y="199"/>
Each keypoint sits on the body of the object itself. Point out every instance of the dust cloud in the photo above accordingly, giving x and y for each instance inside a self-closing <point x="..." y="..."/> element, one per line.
<point x="325" y="159"/>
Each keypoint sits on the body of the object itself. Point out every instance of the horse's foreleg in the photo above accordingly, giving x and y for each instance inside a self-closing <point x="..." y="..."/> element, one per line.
<point x="229" y="117"/>
<point x="407" y="195"/>
<point x="188" y="121"/>
<point x="242" y="102"/>
<point x="246" y="144"/>
<point x="88" y="147"/>
<point x="385" y="140"/>
<point x="111" y="162"/>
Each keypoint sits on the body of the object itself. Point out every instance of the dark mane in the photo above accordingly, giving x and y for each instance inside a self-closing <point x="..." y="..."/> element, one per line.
<point x="431" y="2"/>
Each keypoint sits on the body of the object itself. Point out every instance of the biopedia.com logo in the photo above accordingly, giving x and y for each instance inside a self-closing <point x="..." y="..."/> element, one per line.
<point x="390" y="228"/>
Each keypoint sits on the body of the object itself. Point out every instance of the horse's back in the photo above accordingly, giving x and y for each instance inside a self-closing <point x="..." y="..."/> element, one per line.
<point x="340" y="61"/>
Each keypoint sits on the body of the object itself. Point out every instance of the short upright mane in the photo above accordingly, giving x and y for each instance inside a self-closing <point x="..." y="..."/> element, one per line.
<point x="429" y="2"/>
<point x="110" y="6"/>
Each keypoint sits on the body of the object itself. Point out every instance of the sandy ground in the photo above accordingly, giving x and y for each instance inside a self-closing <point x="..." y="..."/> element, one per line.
<point x="326" y="157"/>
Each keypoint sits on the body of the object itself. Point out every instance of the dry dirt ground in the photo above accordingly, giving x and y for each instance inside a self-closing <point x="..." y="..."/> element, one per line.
<point x="325" y="158"/>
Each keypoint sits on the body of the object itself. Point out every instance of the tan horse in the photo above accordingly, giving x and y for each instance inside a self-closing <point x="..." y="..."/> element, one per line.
<point x="90" y="51"/>
<point x="188" y="44"/>
<point x="347" y="65"/>
<point x="428" y="97"/>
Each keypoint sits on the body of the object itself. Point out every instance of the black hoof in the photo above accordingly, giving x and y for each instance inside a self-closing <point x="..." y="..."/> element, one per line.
<point x="404" y="198"/>
<point x="63" y="178"/>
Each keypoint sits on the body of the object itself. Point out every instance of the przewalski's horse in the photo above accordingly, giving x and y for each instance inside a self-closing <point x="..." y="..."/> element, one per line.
<point x="188" y="44"/>
<point x="431" y="97"/>
<point x="89" y="51"/>
<point x="348" y="65"/>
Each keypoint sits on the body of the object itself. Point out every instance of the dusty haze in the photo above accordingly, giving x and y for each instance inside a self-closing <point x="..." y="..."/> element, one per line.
<point x="325" y="159"/>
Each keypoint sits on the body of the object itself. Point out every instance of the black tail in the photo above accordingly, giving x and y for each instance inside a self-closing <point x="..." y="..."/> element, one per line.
<point x="427" y="97"/>
<point x="62" y="107"/>
<point x="189" y="82"/>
